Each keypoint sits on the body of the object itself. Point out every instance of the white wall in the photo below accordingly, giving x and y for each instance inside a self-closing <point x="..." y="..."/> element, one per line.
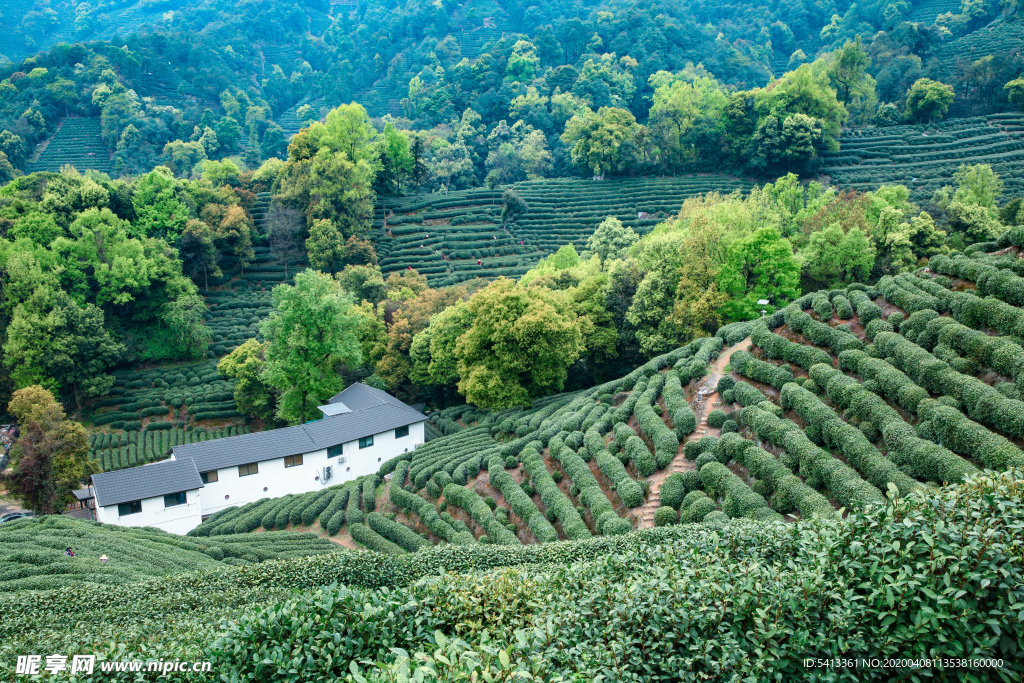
<point x="230" y="490"/>
<point x="178" y="519"/>
<point x="280" y="480"/>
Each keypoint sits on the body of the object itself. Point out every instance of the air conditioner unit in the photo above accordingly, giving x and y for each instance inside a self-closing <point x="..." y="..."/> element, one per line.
<point x="328" y="471"/>
<point x="341" y="460"/>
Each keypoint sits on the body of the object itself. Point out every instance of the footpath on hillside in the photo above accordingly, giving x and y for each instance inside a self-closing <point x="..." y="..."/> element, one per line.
<point x="704" y="401"/>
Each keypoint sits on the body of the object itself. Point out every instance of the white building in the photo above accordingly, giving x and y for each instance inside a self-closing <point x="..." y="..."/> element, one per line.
<point x="362" y="428"/>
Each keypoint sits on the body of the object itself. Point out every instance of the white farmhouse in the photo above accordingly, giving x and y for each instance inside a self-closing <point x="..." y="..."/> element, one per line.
<point x="362" y="428"/>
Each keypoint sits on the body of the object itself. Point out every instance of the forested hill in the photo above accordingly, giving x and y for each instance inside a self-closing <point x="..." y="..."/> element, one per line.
<point x="151" y="78"/>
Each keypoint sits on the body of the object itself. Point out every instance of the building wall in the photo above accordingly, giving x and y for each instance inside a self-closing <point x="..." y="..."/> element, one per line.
<point x="179" y="519"/>
<point x="274" y="480"/>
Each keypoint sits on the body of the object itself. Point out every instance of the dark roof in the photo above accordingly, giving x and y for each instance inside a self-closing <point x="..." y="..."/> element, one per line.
<point x="360" y="396"/>
<point x="374" y="412"/>
<point x="84" y="493"/>
<point x="147" y="481"/>
<point x="246" y="448"/>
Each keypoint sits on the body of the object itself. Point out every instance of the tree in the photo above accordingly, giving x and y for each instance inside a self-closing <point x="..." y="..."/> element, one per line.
<point x="601" y="141"/>
<point x="234" y="235"/>
<point x="807" y="91"/>
<point x="698" y="300"/>
<point x="50" y="459"/>
<point x="759" y="266"/>
<point x="360" y="252"/>
<point x="246" y="364"/>
<point x="441" y="338"/>
<point x="158" y="211"/>
<point x="834" y="258"/>
<point x="310" y="332"/>
<point x="54" y="341"/>
<point x="285" y="225"/>
<point x="346" y="129"/>
<point x="973" y="222"/>
<point x="679" y="105"/>
<point x="185" y="316"/>
<point x="198" y="255"/>
<point x="418" y="169"/>
<point x="364" y="283"/>
<point x="927" y="101"/>
<point x="847" y="69"/>
<point x="513" y="206"/>
<point x="976" y="184"/>
<point x="520" y="344"/>
<point x="325" y="246"/>
<point x="611" y="239"/>
<point x="1015" y="92"/>
<point x="325" y="183"/>
<point x="788" y="144"/>
<point x="522" y="63"/>
<point x="450" y="161"/>
<point x="534" y="155"/>
<point x="660" y="259"/>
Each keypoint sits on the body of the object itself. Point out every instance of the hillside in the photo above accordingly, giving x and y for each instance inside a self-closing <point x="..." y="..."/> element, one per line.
<point x="824" y="407"/>
<point x="550" y="607"/>
<point x="924" y="158"/>
<point x="773" y="457"/>
<point x="444" y="236"/>
<point x="32" y="553"/>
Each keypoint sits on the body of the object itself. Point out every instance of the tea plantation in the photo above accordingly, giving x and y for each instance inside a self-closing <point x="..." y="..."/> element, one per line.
<point x="76" y="142"/>
<point x="924" y="158"/>
<point x="868" y="585"/>
<point x="32" y="553"/>
<point x="830" y="404"/>
<point x="861" y="449"/>
<point x="458" y="236"/>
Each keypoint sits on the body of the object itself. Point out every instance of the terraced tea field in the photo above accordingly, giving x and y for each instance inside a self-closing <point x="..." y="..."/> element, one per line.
<point x="444" y="236"/>
<point x="821" y="407"/>
<point x="32" y="553"/>
<point x="927" y="10"/>
<point x="76" y="142"/>
<point x="924" y="158"/>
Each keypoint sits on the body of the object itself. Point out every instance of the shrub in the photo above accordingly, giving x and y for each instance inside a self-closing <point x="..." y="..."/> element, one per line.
<point x="716" y="418"/>
<point x="556" y="502"/>
<point x="665" y="515"/>
<point x="672" y="490"/>
<point x="397" y="533"/>
<point x="372" y="540"/>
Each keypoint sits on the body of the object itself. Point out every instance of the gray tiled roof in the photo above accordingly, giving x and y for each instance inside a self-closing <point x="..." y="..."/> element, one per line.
<point x="360" y="396"/>
<point x="377" y="412"/>
<point x="147" y="481"/>
<point x="247" y="448"/>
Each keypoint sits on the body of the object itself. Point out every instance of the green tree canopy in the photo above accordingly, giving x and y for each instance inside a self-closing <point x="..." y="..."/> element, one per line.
<point x="927" y="101"/>
<point x="50" y="458"/>
<point x="246" y="364"/>
<point x="759" y="266"/>
<point x="520" y="345"/>
<point x="310" y="333"/>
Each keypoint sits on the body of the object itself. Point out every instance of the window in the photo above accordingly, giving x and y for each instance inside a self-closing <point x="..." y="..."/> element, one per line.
<point x="208" y="477"/>
<point x="246" y="470"/>
<point x="366" y="442"/>
<point x="293" y="460"/>
<point x="172" y="499"/>
<point x="402" y="431"/>
<point x="333" y="451"/>
<point x="130" y="508"/>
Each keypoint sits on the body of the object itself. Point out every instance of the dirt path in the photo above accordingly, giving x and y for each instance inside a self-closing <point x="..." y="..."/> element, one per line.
<point x="705" y="401"/>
